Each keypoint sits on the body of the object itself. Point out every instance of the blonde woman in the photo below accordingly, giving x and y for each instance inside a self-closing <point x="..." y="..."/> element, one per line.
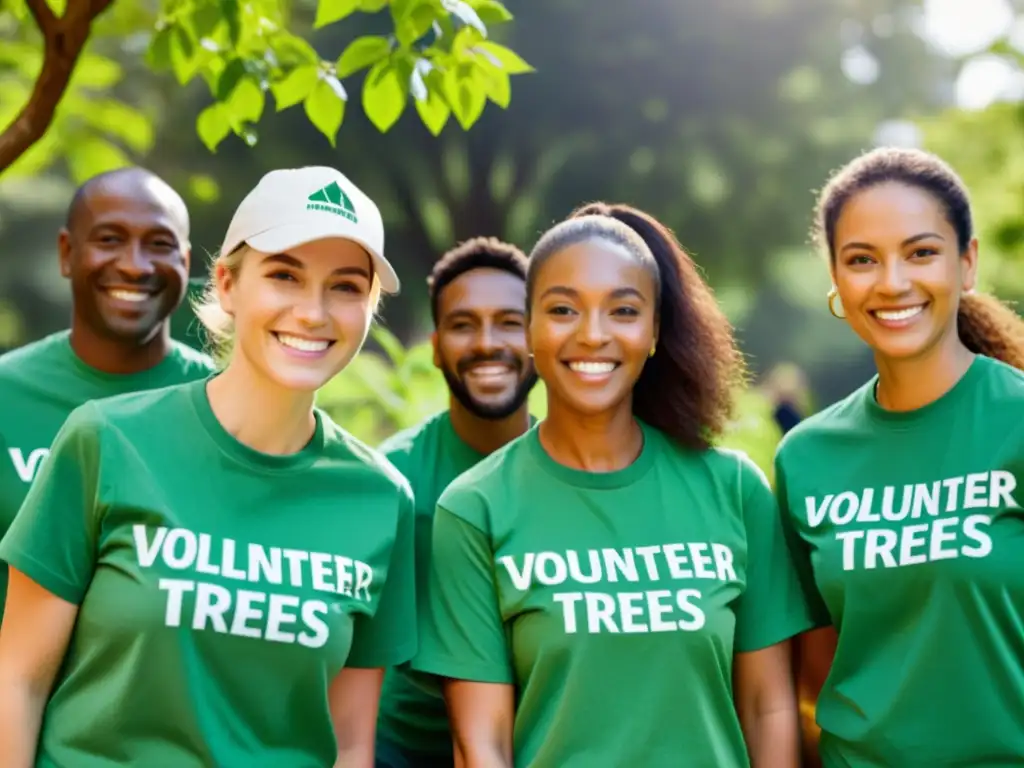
<point x="215" y="574"/>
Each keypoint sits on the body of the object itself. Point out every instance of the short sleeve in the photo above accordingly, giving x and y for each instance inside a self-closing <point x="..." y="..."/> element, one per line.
<point x="54" y="539"/>
<point x="388" y="638"/>
<point x="397" y="455"/>
<point x="773" y="607"/>
<point x="462" y="634"/>
<point x="799" y="552"/>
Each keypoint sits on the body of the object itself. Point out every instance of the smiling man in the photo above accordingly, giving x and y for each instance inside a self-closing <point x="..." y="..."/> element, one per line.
<point x="478" y="301"/>
<point x="125" y="251"/>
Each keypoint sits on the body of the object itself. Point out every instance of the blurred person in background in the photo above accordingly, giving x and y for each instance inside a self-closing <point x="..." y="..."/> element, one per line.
<point x="610" y="589"/>
<point x="903" y="501"/>
<point x="215" y="573"/>
<point x="478" y="302"/>
<point x="785" y="386"/>
<point x="125" y="251"/>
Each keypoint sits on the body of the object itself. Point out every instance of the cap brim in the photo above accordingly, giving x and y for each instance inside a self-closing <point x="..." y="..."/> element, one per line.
<point x="281" y="239"/>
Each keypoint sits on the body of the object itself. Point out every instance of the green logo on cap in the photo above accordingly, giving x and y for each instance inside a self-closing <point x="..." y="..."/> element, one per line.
<point x="332" y="199"/>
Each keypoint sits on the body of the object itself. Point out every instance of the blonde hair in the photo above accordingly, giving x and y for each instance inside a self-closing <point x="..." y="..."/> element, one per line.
<point x="219" y="326"/>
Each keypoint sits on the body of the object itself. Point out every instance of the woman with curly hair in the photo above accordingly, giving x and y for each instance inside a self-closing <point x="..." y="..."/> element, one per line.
<point x="902" y="500"/>
<point x="610" y="589"/>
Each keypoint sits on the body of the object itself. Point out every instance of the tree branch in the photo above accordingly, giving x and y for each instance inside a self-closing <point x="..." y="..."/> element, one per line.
<point x="44" y="17"/>
<point x="64" y="39"/>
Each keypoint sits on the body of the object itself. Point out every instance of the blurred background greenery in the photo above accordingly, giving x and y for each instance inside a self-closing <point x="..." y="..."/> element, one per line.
<point x="721" y="118"/>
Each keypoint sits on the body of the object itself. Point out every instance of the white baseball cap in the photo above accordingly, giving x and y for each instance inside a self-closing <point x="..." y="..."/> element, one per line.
<point x="295" y="206"/>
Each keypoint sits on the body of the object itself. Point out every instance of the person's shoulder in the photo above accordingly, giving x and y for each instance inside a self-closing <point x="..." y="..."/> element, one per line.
<point x="735" y="465"/>
<point x="341" y="445"/>
<point x="404" y="443"/>
<point x="485" y="488"/>
<point x="1001" y="381"/>
<point x="492" y="472"/>
<point x="27" y="358"/>
<point x="88" y="422"/>
<point x="723" y="463"/>
<point x="191" y="363"/>
<point x="144" y="405"/>
<point x="839" y="418"/>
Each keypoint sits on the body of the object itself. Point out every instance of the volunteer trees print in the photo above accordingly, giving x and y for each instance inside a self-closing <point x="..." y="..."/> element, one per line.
<point x="55" y="90"/>
<point x="668" y="606"/>
<point x="953" y="513"/>
<point x="284" y="595"/>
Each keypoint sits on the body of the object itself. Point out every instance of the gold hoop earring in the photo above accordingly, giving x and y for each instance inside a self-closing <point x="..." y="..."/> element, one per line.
<point x="651" y="353"/>
<point x="833" y="299"/>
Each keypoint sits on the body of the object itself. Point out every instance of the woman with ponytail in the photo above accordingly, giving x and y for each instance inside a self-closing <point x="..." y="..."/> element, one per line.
<point x="902" y="503"/>
<point x="609" y="589"/>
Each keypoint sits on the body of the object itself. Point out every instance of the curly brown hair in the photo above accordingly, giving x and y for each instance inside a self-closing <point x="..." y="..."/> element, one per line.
<point x="990" y="327"/>
<point x="986" y="325"/>
<point x="688" y="388"/>
<point x="473" y="254"/>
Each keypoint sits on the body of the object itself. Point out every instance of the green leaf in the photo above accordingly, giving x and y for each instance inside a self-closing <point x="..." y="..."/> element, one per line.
<point x="330" y="11"/>
<point x="117" y="119"/>
<point x="292" y="51"/>
<point x="503" y="57"/>
<point x="97" y="72"/>
<point x="325" y="110"/>
<point x="246" y="102"/>
<point x="465" y="13"/>
<point x="206" y="19"/>
<point x="229" y="78"/>
<point x="497" y="85"/>
<point x="464" y="42"/>
<point x="18" y="9"/>
<point x="491" y="12"/>
<point x="414" y="21"/>
<point x="94" y="156"/>
<point x="183" y="54"/>
<point x="444" y="27"/>
<point x="384" y="95"/>
<point x="372" y="6"/>
<point x="213" y="125"/>
<point x="232" y="13"/>
<point x="466" y="94"/>
<point x="361" y="53"/>
<point x="336" y="86"/>
<point x="433" y="111"/>
<point x="158" y="55"/>
<point x="295" y="87"/>
<point x="211" y="73"/>
<point x="204" y="188"/>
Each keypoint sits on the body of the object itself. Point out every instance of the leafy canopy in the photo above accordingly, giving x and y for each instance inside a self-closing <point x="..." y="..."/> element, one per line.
<point x="61" y="64"/>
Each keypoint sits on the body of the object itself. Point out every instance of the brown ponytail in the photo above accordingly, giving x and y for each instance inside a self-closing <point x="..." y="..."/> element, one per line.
<point x="989" y="327"/>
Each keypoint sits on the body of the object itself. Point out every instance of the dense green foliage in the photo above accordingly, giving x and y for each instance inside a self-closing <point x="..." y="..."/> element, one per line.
<point x="252" y="56"/>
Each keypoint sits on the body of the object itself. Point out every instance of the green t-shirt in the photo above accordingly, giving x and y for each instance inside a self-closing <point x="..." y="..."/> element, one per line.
<point x="908" y="532"/>
<point x="430" y="456"/>
<point x="40" y="384"/>
<point x="221" y="590"/>
<point x="614" y="602"/>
